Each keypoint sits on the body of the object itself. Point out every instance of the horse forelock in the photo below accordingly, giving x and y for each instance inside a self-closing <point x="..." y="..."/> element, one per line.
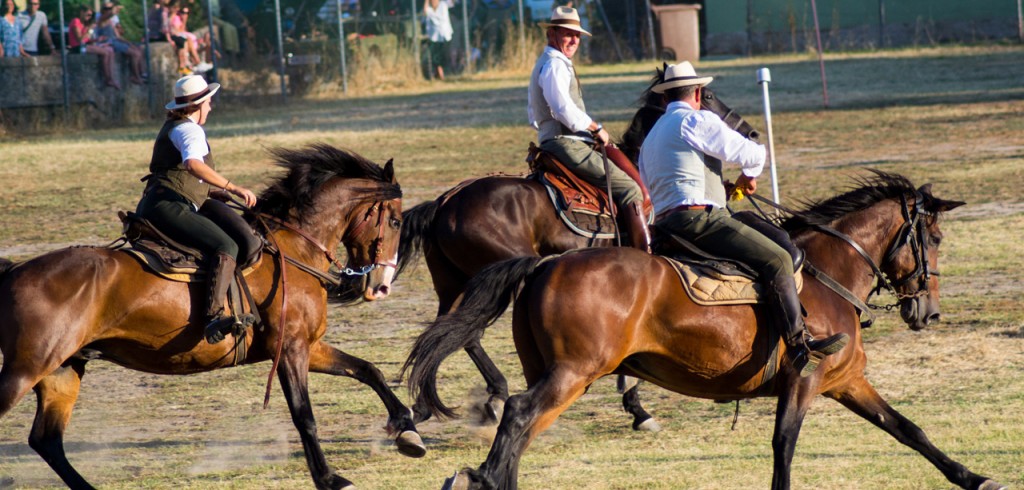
<point x="312" y="167"/>
<point x="865" y="192"/>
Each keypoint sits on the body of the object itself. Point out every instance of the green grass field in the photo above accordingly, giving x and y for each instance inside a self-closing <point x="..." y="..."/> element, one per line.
<point x="953" y="116"/>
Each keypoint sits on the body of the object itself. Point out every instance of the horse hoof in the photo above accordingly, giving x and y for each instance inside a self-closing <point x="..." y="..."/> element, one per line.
<point x="493" y="410"/>
<point x="410" y="444"/>
<point x="458" y="481"/>
<point x="649" y="425"/>
<point x="992" y="485"/>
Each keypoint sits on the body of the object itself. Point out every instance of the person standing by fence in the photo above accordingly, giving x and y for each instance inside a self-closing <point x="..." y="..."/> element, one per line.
<point x="33" y="26"/>
<point x="10" y="32"/>
<point x="439" y="33"/>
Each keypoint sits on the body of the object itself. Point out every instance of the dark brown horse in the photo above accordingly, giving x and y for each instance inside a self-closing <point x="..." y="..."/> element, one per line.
<point x="498" y="218"/>
<point x="62" y="309"/>
<point x="594" y="312"/>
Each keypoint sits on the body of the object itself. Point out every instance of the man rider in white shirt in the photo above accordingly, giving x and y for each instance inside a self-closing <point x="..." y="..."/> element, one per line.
<point x="555" y="108"/>
<point x="689" y="201"/>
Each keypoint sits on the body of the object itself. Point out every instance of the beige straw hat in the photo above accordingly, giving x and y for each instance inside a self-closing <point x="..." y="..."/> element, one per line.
<point x="680" y="75"/>
<point x="191" y="90"/>
<point x="566" y="17"/>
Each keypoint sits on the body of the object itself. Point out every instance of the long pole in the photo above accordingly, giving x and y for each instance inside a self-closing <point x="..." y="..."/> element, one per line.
<point x="415" y="36"/>
<point x="611" y="34"/>
<point x="764" y="77"/>
<point x="522" y="35"/>
<point x="280" y="50"/>
<point x="465" y="39"/>
<point x="821" y="60"/>
<point x="64" y="64"/>
<point x="213" y="40"/>
<point x="1020" y="22"/>
<point x="341" y="49"/>
<point x="149" y="58"/>
<point x="650" y="30"/>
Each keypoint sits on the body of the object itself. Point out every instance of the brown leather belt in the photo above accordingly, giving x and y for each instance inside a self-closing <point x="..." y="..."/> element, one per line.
<point x="682" y="207"/>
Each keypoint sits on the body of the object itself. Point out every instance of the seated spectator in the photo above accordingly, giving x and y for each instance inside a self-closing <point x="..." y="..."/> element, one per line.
<point x="183" y="39"/>
<point x="10" y="32"/>
<point x="107" y="27"/>
<point x="33" y="27"/>
<point x="80" y="32"/>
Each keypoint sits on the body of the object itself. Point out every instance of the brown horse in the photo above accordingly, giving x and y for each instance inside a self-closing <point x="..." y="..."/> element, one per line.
<point x="502" y="217"/>
<point x="577" y="319"/>
<point x="62" y="309"/>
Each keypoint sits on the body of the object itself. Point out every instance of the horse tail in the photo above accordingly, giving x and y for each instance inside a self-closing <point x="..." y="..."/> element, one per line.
<point x="487" y="296"/>
<point x="416" y="224"/>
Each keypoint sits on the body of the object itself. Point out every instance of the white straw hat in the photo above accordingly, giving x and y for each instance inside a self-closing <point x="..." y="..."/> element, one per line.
<point x="191" y="90"/>
<point x="680" y="75"/>
<point x="565" y="17"/>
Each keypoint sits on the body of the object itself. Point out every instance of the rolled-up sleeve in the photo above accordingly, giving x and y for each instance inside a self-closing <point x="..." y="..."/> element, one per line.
<point x="706" y="132"/>
<point x="554" y="80"/>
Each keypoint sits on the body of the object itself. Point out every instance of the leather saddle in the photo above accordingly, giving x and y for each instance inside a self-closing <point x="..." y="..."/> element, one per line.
<point x="583" y="207"/>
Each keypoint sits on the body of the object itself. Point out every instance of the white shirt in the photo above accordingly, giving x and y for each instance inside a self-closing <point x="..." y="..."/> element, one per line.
<point x="439" y="25"/>
<point x="190" y="139"/>
<point x="674" y="173"/>
<point x="30" y="26"/>
<point x="554" y="79"/>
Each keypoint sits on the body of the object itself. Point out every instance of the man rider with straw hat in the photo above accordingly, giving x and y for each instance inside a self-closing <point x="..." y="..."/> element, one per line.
<point x="176" y="200"/>
<point x="555" y="108"/>
<point x="689" y="201"/>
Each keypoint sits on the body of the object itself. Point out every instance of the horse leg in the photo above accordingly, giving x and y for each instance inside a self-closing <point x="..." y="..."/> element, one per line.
<point x="293" y="373"/>
<point x="526" y="416"/>
<point x="497" y="385"/>
<point x="329" y="360"/>
<point x="860" y="397"/>
<point x="56" y="395"/>
<point x="642" y="421"/>
<point x="794" y="401"/>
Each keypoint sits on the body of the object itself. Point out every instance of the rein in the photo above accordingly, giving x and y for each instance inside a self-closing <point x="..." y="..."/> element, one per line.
<point x="912" y="232"/>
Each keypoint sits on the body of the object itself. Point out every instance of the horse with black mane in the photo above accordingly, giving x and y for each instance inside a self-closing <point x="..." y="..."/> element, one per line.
<point x="496" y="218"/>
<point x="60" y="310"/>
<point x="595" y="312"/>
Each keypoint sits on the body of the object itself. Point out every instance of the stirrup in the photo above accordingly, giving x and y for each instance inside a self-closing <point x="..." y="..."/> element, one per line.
<point x="219" y="327"/>
<point x="806" y="362"/>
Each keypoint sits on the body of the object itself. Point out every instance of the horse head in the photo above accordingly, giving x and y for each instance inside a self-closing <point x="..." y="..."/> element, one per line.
<point x="372" y="241"/>
<point x="912" y="259"/>
<point x="652" y="106"/>
<point x="336" y="196"/>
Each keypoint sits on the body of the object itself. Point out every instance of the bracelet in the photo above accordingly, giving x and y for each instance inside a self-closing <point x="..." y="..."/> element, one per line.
<point x="597" y="129"/>
<point x="226" y="184"/>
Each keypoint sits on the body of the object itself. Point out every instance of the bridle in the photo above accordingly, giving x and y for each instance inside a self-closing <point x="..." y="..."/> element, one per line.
<point x="913" y="232"/>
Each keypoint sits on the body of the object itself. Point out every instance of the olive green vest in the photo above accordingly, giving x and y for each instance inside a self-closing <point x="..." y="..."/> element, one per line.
<point x="166" y="167"/>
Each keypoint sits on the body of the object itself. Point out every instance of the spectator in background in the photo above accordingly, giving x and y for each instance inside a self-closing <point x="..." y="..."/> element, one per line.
<point x="108" y="26"/>
<point x="439" y="32"/>
<point x="80" y="40"/>
<point x="33" y="27"/>
<point x="10" y="32"/>
<point x="184" y="40"/>
<point x="157" y="23"/>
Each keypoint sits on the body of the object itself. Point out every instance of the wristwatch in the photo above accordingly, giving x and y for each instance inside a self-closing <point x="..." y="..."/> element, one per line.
<point x="597" y="129"/>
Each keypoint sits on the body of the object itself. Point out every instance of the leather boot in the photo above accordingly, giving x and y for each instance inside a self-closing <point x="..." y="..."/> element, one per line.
<point x="221" y="273"/>
<point x="805" y="353"/>
<point x="631" y="218"/>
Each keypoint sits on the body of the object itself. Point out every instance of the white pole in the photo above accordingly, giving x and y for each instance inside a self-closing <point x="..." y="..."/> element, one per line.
<point x="764" y="77"/>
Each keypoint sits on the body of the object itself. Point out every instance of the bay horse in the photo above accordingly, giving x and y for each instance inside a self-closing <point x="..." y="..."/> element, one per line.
<point x="62" y="309"/>
<point x="501" y="217"/>
<point x="594" y="312"/>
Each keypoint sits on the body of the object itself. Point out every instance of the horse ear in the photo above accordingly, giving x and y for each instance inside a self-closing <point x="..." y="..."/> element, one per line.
<point x="389" y="170"/>
<point x="935" y="204"/>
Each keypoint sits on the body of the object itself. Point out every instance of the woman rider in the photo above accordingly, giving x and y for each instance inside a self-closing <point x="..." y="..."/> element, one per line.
<point x="176" y="200"/>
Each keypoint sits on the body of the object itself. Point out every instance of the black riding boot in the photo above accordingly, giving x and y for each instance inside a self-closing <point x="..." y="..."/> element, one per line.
<point x="805" y="353"/>
<point x="631" y="218"/>
<point x="218" y="323"/>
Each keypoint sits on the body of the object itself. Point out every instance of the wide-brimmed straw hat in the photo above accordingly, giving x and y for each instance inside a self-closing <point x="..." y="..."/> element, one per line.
<point x="566" y="17"/>
<point x="191" y="90"/>
<point x="680" y="75"/>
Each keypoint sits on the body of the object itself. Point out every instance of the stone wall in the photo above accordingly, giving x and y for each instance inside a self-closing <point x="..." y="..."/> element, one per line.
<point x="33" y="91"/>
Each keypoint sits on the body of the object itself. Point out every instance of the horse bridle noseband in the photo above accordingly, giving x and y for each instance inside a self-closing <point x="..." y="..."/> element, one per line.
<point x="913" y="232"/>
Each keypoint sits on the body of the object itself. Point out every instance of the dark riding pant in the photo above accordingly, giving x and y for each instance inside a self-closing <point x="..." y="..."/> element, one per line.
<point x="174" y="216"/>
<point x="716" y="232"/>
<point x="588" y="164"/>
